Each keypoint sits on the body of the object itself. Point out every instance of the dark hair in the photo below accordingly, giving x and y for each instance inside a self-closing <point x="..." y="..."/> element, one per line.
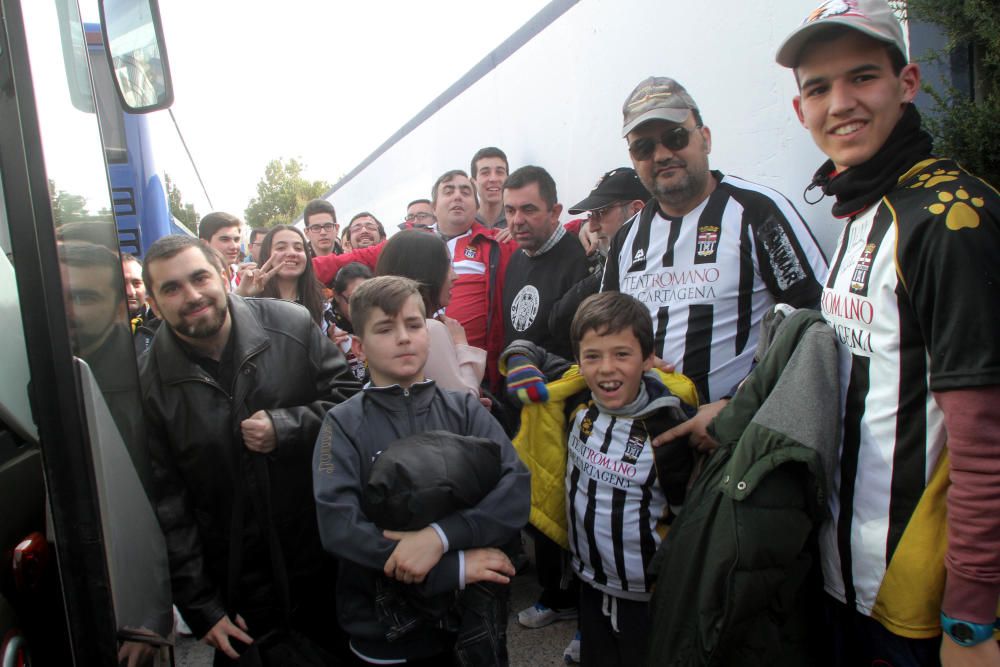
<point x="129" y="257"/>
<point x="420" y="256"/>
<point x="387" y="293"/>
<point x="897" y="59"/>
<point x="444" y="178"/>
<point x="608" y="313"/>
<point x="531" y="174"/>
<point x="215" y="221"/>
<point x="308" y="290"/>
<point x="318" y="206"/>
<point x="489" y="151"/>
<point x="169" y="246"/>
<point x="85" y="254"/>
<point x="99" y="232"/>
<point x="366" y="214"/>
<point x="255" y="232"/>
<point x="420" y="201"/>
<point x="348" y="274"/>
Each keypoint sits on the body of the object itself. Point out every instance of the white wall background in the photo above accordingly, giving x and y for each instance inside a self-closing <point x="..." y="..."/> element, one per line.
<point x="557" y="102"/>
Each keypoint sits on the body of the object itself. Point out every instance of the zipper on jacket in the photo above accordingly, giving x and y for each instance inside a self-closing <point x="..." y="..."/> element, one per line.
<point x="409" y="410"/>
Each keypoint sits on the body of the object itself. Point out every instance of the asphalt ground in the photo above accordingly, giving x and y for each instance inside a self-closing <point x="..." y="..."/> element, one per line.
<point x="528" y="648"/>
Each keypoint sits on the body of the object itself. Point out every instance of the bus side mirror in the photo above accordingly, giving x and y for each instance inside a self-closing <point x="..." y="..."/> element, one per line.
<point x="137" y="55"/>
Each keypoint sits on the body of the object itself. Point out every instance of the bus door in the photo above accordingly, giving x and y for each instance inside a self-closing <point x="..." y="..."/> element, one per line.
<point x="80" y="378"/>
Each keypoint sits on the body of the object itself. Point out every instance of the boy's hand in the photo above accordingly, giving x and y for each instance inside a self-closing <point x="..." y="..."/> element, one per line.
<point x="487" y="565"/>
<point x="414" y="556"/>
<point x="524" y="381"/>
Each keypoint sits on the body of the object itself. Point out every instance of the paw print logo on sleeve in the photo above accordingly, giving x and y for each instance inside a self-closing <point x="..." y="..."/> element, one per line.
<point x="958" y="206"/>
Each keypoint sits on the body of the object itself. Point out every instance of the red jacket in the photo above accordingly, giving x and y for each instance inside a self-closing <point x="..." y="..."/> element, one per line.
<point x="477" y="297"/>
<point x="326" y="267"/>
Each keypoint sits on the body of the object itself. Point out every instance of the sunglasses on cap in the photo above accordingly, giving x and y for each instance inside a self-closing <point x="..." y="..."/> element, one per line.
<point x="674" y="139"/>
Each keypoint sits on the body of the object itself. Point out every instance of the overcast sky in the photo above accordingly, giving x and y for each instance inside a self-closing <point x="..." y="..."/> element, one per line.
<point x="322" y="81"/>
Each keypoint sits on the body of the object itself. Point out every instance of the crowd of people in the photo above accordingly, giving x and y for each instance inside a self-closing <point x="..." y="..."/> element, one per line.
<point x="723" y="447"/>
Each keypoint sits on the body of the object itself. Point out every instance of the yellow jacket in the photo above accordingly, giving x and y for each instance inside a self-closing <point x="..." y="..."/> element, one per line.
<point x="541" y="443"/>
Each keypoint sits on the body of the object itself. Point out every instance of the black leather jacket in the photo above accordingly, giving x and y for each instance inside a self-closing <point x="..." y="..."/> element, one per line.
<point x="281" y="364"/>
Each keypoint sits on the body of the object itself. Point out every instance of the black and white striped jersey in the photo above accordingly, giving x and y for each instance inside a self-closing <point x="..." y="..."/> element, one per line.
<point x="913" y="296"/>
<point x="614" y="502"/>
<point x="709" y="277"/>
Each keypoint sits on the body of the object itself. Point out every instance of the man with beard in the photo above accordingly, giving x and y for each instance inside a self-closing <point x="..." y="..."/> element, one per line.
<point x="364" y="230"/>
<point x="234" y="392"/>
<point x="709" y="254"/>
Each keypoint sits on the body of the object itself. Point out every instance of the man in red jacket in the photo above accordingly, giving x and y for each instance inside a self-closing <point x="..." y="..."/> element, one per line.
<point x="480" y="262"/>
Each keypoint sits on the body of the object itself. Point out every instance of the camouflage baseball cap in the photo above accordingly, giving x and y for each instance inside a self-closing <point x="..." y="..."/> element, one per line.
<point x="870" y="17"/>
<point x="656" y="98"/>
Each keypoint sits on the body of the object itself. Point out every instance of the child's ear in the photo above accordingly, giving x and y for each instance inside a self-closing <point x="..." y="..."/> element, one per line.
<point x="358" y="348"/>
<point x="647" y="364"/>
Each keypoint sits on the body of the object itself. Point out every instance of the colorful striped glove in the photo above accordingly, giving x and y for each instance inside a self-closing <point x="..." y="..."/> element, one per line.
<point x="524" y="381"/>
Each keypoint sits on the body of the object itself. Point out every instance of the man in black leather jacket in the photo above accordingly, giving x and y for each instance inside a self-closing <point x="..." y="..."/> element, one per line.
<point x="226" y="381"/>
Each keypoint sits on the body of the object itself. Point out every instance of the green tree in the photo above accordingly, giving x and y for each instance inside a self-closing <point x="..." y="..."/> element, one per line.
<point x="186" y="213"/>
<point x="67" y="207"/>
<point x="282" y="194"/>
<point x="967" y="128"/>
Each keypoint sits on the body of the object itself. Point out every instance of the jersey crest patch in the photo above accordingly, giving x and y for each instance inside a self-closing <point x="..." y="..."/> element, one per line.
<point x="633" y="448"/>
<point x="470" y="252"/>
<point x="708" y="237"/>
<point x="524" y="308"/>
<point x="859" y="280"/>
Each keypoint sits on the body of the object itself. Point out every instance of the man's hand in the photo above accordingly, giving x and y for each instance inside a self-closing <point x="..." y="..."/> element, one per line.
<point x="664" y="366"/>
<point x="414" y="556"/>
<point x="986" y="654"/>
<point x="695" y="428"/>
<point x="258" y="433"/>
<point x="588" y="239"/>
<point x="136" y="654"/>
<point x="487" y="565"/>
<point x="218" y="636"/>
<point x="503" y="235"/>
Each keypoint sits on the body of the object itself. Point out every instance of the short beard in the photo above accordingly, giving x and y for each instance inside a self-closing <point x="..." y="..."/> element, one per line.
<point x="205" y="328"/>
<point x="682" y="194"/>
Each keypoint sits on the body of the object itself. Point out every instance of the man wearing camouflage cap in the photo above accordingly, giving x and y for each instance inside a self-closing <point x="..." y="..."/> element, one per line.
<point x="913" y="548"/>
<point x="709" y="254"/>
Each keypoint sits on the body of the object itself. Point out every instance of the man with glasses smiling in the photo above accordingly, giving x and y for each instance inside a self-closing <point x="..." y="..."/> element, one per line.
<point x="320" y="221"/>
<point x="709" y="254"/>
<point x="364" y="230"/>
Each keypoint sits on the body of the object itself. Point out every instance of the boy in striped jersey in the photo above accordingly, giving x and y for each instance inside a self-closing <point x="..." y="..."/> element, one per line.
<point x="618" y="498"/>
<point x="913" y="551"/>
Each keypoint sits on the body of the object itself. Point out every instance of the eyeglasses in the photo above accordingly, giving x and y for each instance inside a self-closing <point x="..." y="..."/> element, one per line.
<point x="370" y="226"/>
<point x="674" y="139"/>
<point x="325" y="227"/>
<point x="595" y="216"/>
<point x="418" y="216"/>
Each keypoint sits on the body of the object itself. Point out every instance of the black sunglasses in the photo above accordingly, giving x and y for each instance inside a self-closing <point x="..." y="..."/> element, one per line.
<point x="674" y="139"/>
